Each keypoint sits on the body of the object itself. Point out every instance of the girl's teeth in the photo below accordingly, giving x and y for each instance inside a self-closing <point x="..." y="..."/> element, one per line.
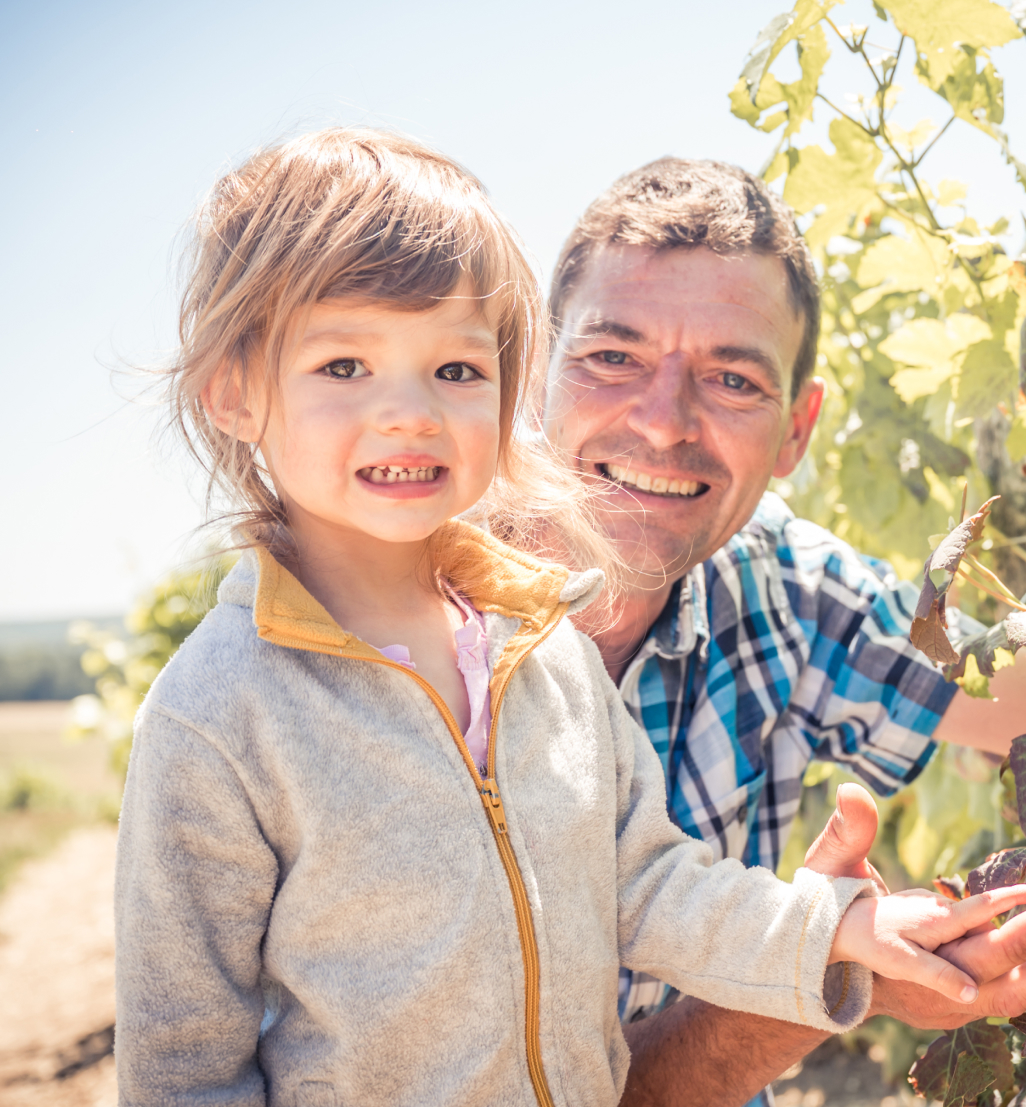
<point x="393" y="474"/>
<point x="647" y="483"/>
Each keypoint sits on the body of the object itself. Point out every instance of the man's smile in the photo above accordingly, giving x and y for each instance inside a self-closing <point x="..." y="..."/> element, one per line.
<point x="653" y="485"/>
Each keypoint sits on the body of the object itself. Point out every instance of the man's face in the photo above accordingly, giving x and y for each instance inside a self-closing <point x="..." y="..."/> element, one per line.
<point x="671" y="382"/>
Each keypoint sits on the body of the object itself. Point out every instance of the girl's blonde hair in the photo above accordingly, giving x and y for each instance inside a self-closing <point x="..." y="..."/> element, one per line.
<point x="354" y="211"/>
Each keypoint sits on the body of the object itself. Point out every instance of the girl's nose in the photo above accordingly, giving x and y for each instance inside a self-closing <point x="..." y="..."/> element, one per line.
<point x="410" y="409"/>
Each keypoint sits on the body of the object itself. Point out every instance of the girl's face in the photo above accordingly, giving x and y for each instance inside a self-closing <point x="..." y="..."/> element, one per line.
<point x="386" y="422"/>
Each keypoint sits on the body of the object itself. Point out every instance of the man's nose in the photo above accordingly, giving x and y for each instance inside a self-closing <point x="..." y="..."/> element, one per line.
<point x="665" y="413"/>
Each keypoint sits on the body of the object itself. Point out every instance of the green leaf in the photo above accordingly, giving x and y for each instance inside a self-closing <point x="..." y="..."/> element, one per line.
<point x="813" y="53"/>
<point x="935" y="1072"/>
<point x="988" y="376"/>
<point x="893" y="264"/>
<point x="950" y="192"/>
<point x="781" y="30"/>
<point x="1015" y="630"/>
<point x="1015" y="443"/>
<point x="939" y="28"/>
<point x="844" y="181"/>
<point x="931" y="343"/>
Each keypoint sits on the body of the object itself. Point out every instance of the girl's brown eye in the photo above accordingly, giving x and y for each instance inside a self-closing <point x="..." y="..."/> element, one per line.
<point x="456" y="372"/>
<point x="344" y="368"/>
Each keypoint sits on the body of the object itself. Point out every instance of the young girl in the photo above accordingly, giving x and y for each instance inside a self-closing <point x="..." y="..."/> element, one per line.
<point x="388" y="830"/>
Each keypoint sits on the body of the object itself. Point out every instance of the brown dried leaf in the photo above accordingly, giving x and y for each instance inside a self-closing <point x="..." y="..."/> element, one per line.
<point x="935" y="1072"/>
<point x="928" y="633"/>
<point x="948" y="555"/>
<point x="1000" y="870"/>
<point x="951" y="886"/>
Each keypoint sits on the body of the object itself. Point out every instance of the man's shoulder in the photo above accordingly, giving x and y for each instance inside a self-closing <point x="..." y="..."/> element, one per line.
<point x="800" y="547"/>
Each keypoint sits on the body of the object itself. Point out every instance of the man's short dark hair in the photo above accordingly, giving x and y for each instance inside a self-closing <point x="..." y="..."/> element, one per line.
<point x="677" y="203"/>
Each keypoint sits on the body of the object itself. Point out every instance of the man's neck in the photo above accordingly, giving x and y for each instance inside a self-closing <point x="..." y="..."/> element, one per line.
<point x="636" y="611"/>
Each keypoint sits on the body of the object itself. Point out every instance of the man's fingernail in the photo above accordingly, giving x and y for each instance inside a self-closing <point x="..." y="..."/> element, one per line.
<point x="969" y="994"/>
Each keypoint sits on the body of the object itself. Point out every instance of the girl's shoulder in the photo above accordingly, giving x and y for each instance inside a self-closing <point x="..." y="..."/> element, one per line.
<point x="221" y="666"/>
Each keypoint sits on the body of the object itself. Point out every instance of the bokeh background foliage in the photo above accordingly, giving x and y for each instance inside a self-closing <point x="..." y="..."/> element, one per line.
<point x="922" y="333"/>
<point x="923" y="350"/>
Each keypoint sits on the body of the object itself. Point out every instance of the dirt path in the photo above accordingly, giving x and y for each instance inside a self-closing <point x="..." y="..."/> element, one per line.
<point x="57" y="977"/>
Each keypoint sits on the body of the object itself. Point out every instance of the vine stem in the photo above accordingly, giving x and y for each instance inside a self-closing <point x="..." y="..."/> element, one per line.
<point x="990" y="592"/>
<point x="991" y="576"/>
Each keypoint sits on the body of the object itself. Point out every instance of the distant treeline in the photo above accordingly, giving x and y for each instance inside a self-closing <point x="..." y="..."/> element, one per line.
<point x="37" y="662"/>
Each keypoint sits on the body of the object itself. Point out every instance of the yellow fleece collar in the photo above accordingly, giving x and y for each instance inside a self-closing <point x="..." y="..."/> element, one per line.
<point x="507" y="582"/>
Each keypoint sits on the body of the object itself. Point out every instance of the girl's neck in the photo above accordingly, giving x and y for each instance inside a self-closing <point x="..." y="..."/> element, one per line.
<point x="362" y="581"/>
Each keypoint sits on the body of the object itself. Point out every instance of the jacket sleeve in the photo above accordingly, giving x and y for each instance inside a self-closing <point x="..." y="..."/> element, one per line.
<point x="737" y="937"/>
<point x="194" y="887"/>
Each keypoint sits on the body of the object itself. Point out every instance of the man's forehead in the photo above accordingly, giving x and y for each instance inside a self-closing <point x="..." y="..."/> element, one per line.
<point x="640" y="275"/>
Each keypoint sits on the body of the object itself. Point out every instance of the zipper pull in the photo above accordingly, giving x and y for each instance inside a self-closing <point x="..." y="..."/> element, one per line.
<point x="493" y="805"/>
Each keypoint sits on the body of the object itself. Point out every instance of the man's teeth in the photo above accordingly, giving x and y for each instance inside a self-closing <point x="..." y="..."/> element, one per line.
<point x="647" y="483"/>
<point x="397" y="474"/>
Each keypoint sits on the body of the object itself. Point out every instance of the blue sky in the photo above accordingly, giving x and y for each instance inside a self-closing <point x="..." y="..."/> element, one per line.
<point x="118" y="116"/>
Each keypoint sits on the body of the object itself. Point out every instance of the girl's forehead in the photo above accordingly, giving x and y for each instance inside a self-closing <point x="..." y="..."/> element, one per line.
<point x="462" y="314"/>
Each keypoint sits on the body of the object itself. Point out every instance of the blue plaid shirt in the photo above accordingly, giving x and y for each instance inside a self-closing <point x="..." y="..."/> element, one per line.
<point x="784" y="646"/>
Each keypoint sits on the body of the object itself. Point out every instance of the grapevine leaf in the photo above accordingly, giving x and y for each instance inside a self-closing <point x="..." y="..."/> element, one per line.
<point x="937" y="28"/>
<point x="953" y="887"/>
<point x="936" y="1071"/>
<point x="893" y="264"/>
<point x="948" y="555"/>
<point x="844" y="180"/>
<point x="1019" y="1022"/>
<point x="1017" y="763"/>
<point x="928" y="633"/>
<point x="988" y="376"/>
<point x="781" y="30"/>
<point x="986" y="648"/>
<point x="1000" y="870"/>
<point x="972" y="1077"/>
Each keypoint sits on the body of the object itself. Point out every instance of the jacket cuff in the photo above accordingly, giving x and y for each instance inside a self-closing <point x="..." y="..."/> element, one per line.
<point x="834" y="997"/>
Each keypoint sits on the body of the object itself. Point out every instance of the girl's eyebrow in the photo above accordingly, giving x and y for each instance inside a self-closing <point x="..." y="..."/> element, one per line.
<point x="474" y="340"/>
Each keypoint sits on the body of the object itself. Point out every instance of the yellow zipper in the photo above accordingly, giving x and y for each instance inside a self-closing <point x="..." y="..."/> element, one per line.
<point x="488" y="789"/>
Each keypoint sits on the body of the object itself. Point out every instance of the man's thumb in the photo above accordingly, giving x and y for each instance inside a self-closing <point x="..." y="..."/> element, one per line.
<point x="846" y="839"/>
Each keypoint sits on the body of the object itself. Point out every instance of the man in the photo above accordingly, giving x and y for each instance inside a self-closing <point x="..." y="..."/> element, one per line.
<point x="687" y="315"/>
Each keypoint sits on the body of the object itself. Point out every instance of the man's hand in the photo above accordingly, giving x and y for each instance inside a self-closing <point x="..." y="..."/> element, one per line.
<point x="992" y="957"/>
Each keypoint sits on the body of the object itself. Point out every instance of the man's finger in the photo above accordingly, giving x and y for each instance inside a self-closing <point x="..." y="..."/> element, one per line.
<point x="847" y="838"/>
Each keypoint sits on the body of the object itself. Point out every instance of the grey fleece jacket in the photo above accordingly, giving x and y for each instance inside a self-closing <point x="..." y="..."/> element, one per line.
<point x="320" y="903"/>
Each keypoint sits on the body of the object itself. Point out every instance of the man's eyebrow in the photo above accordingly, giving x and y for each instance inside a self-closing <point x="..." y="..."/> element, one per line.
<point x="608" y="328"/>
<point x="751" y="354"/>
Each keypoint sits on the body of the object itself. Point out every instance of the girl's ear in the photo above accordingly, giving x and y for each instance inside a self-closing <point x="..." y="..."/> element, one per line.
<point x="224" y="401"/>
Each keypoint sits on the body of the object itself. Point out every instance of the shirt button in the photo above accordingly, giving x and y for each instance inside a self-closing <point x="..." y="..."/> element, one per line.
<point x="742" y="813"/>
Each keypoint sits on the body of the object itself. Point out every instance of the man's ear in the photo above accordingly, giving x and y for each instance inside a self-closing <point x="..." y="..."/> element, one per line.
<point x="800" y="421"/>
<point x="226" y="403"/>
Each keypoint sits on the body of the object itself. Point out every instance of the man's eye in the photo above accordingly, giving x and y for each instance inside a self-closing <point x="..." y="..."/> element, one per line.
<point x="345" y="368"/>
<point x="457" y="372"/>
<point x="734" y="380"/>
<point x="613" y="357"/>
